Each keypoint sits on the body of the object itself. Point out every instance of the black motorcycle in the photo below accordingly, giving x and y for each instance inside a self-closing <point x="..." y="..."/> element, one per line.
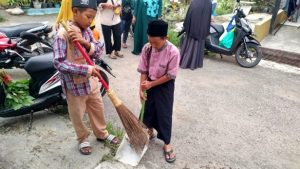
<point x="246" y="48"/>
<point x="15" y="52"/>
<point x="45" y="86"/>
<point x="13" y="32"/>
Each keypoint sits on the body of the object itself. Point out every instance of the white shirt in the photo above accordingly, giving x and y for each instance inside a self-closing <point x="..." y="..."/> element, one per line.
<point x="108" y="17"/>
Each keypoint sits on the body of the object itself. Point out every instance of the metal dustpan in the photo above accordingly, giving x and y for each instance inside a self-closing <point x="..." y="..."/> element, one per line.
<point x="126" y="153"/>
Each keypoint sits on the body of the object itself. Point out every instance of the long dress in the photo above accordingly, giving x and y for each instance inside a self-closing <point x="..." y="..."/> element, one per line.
<point x="143" y="17"/>
<point x="196" y="26"/>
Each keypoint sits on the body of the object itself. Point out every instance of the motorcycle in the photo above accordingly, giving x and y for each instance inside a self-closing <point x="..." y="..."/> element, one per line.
<point x="45" y="86"/>
<point x="15" y="52"/>
<point x="245" y="47"/>
<point x="15" y="31"/>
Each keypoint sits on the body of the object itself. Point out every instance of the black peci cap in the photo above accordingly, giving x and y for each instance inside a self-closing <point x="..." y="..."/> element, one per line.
<point x="85" y="4"/>
<point x="157" y="28"/>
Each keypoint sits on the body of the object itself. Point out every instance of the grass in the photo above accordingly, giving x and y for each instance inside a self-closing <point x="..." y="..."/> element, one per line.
<point x="119" y="133"/>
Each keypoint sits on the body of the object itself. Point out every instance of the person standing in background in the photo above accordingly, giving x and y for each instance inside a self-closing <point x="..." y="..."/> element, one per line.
<point x="196" y="25"/>
<point x="111" y="23"/>
<point x="144" y="12"/>
<point x="126" y="16"/>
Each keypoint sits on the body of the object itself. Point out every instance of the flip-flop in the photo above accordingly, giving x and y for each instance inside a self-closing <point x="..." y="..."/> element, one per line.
<point x="85" y="145"/>
<point x="168" y="153"/>
<point x="110" y="139"/>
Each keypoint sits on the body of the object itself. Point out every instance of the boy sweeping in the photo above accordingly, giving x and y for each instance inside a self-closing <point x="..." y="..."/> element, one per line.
<point x="81" y="88"/>
<point x="158" y="66"/>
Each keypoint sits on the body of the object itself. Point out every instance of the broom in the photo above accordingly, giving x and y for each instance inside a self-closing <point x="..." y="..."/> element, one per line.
<point x="138" y="137"/>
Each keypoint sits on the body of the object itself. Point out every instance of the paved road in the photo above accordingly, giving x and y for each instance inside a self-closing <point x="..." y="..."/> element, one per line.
<point x="225" y="116"/>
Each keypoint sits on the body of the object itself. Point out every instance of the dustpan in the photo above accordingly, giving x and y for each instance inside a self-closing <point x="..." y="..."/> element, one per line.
<point x="126" y="153"/>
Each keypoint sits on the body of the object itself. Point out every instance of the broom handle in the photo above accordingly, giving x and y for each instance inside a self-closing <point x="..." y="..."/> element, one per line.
<point x="86" y="56"/>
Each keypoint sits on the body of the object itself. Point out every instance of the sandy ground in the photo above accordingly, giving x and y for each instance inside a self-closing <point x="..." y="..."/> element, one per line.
<point x="224" y="117"/>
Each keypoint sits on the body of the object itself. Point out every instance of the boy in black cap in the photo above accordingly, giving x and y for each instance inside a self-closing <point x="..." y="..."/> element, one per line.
<point x="79" y="84"/>
<point x="158" y="66"/>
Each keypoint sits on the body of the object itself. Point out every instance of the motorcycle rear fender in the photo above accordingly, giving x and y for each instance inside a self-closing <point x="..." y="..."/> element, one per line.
<point x="250" y="39"/>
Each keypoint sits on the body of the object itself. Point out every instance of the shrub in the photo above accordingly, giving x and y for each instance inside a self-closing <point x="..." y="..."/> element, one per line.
<point x="225" y="7"/>
<point x="173" y="37"/>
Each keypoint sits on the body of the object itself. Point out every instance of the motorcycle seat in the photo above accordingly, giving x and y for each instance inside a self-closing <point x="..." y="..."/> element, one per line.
<point x="39" y="63"/>
<point x="218" y="28"/>
<point x="14" y="31"/>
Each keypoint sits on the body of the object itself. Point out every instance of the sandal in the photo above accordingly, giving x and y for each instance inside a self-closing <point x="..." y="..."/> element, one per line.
<point x="85" y="146"/>
<point x="168" y="156"/>
<point x="111" y="56"/>
<point x="110" y="139"/>
<point x="118" y="54"/>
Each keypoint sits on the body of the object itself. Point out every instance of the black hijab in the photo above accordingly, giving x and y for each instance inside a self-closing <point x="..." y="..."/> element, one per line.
<point x="197" y="20"/>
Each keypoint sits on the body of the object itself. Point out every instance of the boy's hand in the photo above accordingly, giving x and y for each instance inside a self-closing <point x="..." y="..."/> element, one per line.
<point x="95" y="72"/>
<point x="76" y="36"/>
<point x="143" y="97"/>
<point x="146" y="85"/>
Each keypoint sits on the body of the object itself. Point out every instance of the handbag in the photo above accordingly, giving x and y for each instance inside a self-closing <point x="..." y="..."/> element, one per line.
<point x="117" y="10"/>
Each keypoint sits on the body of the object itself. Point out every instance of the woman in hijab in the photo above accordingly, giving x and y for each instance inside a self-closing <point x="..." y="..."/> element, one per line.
<point x="144" y="12"/>
<point x="196" y="25"/>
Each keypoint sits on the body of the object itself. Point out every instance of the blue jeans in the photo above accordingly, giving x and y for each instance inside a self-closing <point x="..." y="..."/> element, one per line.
<point x="125" y="27"/>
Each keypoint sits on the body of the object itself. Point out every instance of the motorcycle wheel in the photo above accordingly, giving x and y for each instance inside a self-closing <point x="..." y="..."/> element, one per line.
<point x="248" y="57"/>
<point x="105" y="78"/>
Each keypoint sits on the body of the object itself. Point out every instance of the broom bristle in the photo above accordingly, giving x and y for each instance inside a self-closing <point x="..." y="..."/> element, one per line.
<point x="138" y="137"/>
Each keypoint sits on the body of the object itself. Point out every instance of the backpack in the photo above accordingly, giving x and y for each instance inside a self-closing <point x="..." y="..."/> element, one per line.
<point x="126" y="10"/>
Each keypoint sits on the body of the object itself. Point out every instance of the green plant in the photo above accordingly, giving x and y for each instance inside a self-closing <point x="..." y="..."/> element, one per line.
<point x="18" y="2"/>
<point x="225" y="7"/>
<point x="16" y="92"/>
<point x="172" y="35"/>
<point x="260" y="5"/>
<point x="119" y="133"/>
